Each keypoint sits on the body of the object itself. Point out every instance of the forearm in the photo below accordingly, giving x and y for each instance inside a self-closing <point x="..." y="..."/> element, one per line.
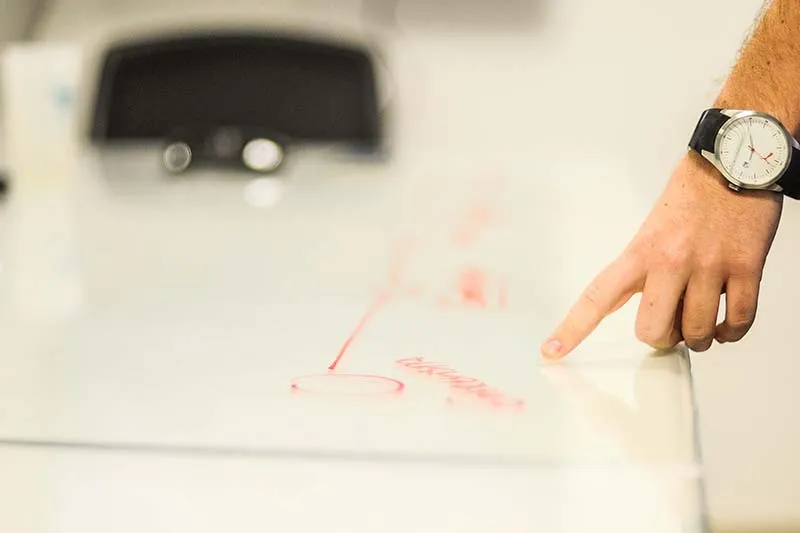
<point x="766" y="76"/>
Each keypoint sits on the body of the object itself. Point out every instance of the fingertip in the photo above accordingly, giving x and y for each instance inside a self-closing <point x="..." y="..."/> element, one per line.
<point x="724" y="334"/>
<point x="553" y="349"/>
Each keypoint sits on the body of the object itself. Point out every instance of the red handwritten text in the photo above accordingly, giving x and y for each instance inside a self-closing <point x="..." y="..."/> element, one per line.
<point x="459" y="382"/>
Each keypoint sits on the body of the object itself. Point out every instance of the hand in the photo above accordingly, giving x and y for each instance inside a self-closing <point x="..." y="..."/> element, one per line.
<point x="700" y="240"/>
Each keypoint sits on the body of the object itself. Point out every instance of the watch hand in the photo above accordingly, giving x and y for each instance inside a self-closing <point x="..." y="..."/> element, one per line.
<point x="768" y="156"/>
<point x="738" y="150"/>
<point x="749" y="136"/>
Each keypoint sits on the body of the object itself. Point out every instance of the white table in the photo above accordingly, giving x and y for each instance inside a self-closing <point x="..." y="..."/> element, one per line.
<point x="157" y="333"/>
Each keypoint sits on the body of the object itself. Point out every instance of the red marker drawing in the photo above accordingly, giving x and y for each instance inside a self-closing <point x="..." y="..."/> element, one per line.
<point x="475" y="290"/>
<point x="359" y="384"/>
<point x="460" y="383"/>
<point x="471" y="291"/>
<point x="350" y="384"/>
<point x="362" y="323"/>
<point x="468" y="232"/>
<point x="472" y="287"/>
<point x="347" y="385"/>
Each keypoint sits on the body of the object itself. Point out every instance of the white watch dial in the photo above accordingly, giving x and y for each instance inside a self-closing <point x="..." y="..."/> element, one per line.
<point x="754" y="150"/>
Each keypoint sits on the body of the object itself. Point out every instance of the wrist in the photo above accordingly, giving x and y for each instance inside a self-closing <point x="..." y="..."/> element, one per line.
<point x="707" y="181"/>
<point x="749" y="151"/>
<point x="788" y="115"/>
<point x="704" y="173"/>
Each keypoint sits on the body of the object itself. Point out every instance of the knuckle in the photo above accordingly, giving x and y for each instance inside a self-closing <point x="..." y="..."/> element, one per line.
<point x="645" y="335"/>
<point x="742" y="318"/>
<point x="733" y="336"/>
<point x="741" y="322"/>
<point x="697" y="330"/>
<point x="696" y="333"/>
<point x="698" y="338"/>
<point x="638" y="251"/>
<point x="710" y="262"/>
<point x="699" y="347"/>
<point x="651" y="336"/>
<point x="662" y="344"/>
<point x="592" y="295"/>
<point x="660" y="248"/>
<point x="749" y="267"/>
<point x="745" y="262"/>
<point x="659" y="343"/>
<point x="676" y="257"/>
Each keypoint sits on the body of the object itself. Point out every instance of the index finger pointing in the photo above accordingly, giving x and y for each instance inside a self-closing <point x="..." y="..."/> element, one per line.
<point x="608" y="292"/>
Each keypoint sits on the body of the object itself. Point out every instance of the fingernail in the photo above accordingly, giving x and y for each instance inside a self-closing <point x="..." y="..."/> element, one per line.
<point x="552" y="348"/>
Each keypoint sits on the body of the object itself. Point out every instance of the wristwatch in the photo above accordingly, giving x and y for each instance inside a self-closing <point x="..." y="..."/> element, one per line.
<point x="752" y="150"/>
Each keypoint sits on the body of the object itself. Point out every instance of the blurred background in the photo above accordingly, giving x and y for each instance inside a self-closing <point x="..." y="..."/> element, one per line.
<point x="622" y="80"/>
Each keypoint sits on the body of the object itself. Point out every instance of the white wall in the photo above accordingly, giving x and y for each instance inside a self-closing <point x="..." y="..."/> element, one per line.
<point x="14" y="18"/>
<point x="628" y="78"/>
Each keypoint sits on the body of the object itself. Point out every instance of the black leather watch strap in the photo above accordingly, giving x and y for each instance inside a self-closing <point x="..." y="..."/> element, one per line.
<point x="705" y="133"/>
<point x="790" y="181"/>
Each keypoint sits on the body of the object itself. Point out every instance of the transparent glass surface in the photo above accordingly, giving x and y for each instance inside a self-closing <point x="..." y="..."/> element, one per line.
<point x="360" y="337"/>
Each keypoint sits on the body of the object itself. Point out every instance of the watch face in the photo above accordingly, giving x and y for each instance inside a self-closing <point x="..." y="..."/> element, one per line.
<point x="754" y="150"/>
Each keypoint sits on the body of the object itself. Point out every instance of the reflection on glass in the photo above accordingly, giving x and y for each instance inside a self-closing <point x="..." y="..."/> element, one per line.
<point x="656" y="432"/>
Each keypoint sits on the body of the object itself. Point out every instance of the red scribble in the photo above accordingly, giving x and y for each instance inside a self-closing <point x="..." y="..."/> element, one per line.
<point x="472" y="291"/>
<point x="362" y="384"/>
<point x="370" y="313"/>
<point x="348" y="385"/>
<point x="477" y="219"/>
<point x="479" y="215"/>
<point x="475" y="290"/>
<point x="471" y="386"/>
<point x="472" y="287"/>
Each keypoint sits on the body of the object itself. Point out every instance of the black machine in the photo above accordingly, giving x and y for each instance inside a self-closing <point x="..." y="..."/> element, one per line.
<point x="237" y="99"/>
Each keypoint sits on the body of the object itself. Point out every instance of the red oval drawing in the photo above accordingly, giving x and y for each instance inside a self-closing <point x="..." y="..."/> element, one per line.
<point x="347" y="385"/>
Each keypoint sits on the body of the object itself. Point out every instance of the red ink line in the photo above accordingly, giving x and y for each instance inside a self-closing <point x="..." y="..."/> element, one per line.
<point x="370" y="313"/>
<point x="348" y="384"/>
<point x="472" y="287"/>
<point x="477" y="219"/>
